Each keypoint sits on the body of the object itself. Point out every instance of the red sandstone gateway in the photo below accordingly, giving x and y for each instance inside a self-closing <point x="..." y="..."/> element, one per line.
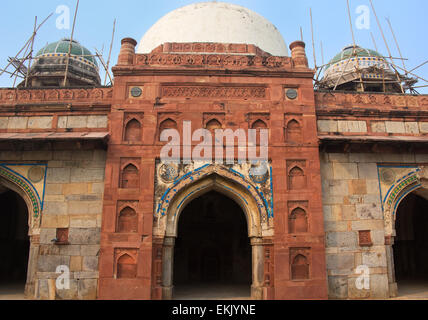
<point x="82" y="164"/>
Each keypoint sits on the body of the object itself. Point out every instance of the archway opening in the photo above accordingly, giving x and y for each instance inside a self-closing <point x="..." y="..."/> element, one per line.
<point x="411" y="246"/>
<point x="212" y="258"/>
<point x="14" y="244"/>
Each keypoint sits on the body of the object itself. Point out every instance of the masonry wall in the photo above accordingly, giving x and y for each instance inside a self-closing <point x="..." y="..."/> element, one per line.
<point x="352" y="205"/>
<point x="73" y="200"/>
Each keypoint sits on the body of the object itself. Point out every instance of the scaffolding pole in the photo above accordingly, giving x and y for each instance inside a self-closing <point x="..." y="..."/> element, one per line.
<point x="70" y="45"/>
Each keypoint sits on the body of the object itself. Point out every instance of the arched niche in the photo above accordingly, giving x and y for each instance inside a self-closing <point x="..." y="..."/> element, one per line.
<point x="297" y="179"/>
<point x="127" y="221"/>
<point x="293" y="132"/>
<point x="133" y="131"/>
<point x="298" y="221"/>
<point x="126" y="267"/>
<point x="130" y="178"/>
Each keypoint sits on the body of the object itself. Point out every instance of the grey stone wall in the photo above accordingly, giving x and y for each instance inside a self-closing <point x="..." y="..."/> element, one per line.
<point x="73" y="199"/>
<point x="352" y="203"/>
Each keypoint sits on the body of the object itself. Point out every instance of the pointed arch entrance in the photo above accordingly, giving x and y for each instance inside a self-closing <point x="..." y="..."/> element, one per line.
<point x="406" y="240"/>
<point x="212" y="256"/>
<point x="218" y="180"/>
<point x="21" y="209"/>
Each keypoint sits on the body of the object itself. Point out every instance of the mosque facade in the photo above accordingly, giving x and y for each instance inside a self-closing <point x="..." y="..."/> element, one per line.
<point x="92" y="210"/>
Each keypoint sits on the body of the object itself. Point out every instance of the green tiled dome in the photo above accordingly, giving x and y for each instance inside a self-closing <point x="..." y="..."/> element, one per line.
<point x="347" y="52"/>
<point x="62" y="47"/>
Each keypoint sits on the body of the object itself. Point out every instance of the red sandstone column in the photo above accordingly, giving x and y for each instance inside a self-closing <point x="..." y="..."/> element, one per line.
<point x="127" y="52"/>
<point x="298" y="54"/>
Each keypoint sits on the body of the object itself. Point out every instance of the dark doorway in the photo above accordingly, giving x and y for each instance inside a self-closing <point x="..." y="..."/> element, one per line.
<point x="14" y="243"/>
<point x="411" y="244"/>
<point x="213" y="251"/>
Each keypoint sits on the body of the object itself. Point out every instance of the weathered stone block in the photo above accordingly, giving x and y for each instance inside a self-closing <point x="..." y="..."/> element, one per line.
<point x="379" y="288"/>
<point x="352" y="126"/>
<point x="327" y="126"/>
<point x="354" y="292"/>
<point x="357" y="187"/>
<point x="338" y="187"/>
<point x="42" y="289"/>
<point x="87" y="175"/>
<point x="90" y="250"/>
<point x="17" y="123"/>
<point x="58" y="175"/>
<point x="336" y="226"/>
<point x="342" y="239"/>
<point x="340" y="261"/>
<point x="412" y="127"/>
<point x="83" y="222"/>
<point x="337" y="287"/>
<point x="40" y="122"/>
<point x="54" y="208"/>
<point x="395" y="127"/>
<point x="423" y="127"/>
<point x="77" y="122"/>
<point x="369" y="211"/>
<point x="367" y="225"/>
<point x="50" y="263"/>
<point x="367" y="170"/>
<point x="378" y="127"/>
<point x="76" y="263"/>
<point x="70" y="250"/>
<point x="378" y="237"/>
<point x="374" y="259"/>
<point x="3" y="122"/>
<point x="87" y="289"/>
<point x="97" y="121"/>
<point x="338" y="157"/>
<point x="349" y="213"/>
<point x="84" y="236"/>
<point x="345" y="171"/>
<point x="90" y="263"/>
<point x="68" y="294"/>
<point x="47" y="235"/>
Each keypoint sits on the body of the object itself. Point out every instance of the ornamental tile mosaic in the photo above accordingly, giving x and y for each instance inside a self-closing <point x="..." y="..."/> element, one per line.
<point x="31" y="178"/>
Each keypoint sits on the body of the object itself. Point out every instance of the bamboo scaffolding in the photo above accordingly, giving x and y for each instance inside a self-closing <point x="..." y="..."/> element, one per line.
<point x="25" y="45"/>
<point x="31" y="53"/>
<point x="396" y="43"/>
<point x="355" y="46"/>
<point x="386" y="43"/>
<point x="70" y="45"/>
<point x="313" y="42"/>
<point x="109" y="55"/>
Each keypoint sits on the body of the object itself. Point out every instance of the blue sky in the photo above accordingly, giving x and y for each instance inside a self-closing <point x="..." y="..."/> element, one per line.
<point x="135" y="17"/>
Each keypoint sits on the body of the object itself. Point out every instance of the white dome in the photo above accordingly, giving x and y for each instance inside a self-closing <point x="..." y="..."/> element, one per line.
<point x="214" y="22"/>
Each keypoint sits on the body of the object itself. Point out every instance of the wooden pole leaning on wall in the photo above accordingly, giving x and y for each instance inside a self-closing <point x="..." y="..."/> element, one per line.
<point x="354" y="50"/>
<point x="396" y="43"/>
<point x="313" y="42"/>
<point x="387" y="47"/>
<point x="31" y="53"/>
<point x="109" y="55"/>
<point x="70" y="45"/>
<point x="4" y="70"/>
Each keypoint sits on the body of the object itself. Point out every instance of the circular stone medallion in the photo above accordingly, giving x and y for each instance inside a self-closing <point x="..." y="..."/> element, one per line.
<point x="291" y="94"/>
<point x="168" y="172"/>
<point x="36" y="174"/>
<point x="136" y="92"/>
<point x="387" y="176"/>
<point x="259" y="173"/>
